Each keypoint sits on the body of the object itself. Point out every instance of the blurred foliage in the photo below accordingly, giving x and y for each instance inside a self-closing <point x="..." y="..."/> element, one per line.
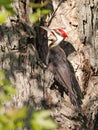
<point x="12" y="119"/>
<point x="3" y="16"/>
<point x="39" y="5"/>
<point x="5" y="10"/>
<point x="6" y="88"/>
<point x="36" y="16"/>
<point x="39" y="11"/>
<point x="42" y="121"/>
<point x="17" y="118"/>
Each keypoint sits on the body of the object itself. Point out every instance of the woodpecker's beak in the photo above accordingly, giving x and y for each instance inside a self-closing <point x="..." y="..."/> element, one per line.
<point x="45" y="28"/>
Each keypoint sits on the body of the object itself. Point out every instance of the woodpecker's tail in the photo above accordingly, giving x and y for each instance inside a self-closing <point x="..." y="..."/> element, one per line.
<point x="74" y="100"/>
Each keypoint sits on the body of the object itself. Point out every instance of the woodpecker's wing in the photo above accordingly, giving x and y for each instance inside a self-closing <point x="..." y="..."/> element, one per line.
<point x="64" y="76"/>
<point x="62" y="72"/>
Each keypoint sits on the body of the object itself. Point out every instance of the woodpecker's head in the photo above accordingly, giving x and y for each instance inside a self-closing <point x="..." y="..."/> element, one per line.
<point x="55" y="36"/>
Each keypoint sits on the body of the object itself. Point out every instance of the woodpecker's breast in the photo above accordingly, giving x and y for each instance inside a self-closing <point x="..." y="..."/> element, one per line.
<point x="56" y="59"/>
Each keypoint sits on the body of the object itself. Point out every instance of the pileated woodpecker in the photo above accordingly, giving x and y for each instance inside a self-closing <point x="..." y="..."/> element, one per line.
<point x="59" y="66"/>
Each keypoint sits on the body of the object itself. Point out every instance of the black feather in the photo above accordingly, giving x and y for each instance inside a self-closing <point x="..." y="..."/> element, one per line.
<point x="58" y="64"/>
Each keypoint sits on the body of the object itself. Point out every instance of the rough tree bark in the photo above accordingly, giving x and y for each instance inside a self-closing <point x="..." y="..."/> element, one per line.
<point x="23" y="57"/>
<point x="88" y="28"/>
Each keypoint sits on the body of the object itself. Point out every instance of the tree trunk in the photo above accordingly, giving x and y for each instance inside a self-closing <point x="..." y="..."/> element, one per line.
<point x="23" y="57"/>
<point x="20" y="59"/>
<point x="88" y="28"/>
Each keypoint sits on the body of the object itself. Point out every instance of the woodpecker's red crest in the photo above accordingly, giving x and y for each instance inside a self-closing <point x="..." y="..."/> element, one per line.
<point x="64" y="34"/>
